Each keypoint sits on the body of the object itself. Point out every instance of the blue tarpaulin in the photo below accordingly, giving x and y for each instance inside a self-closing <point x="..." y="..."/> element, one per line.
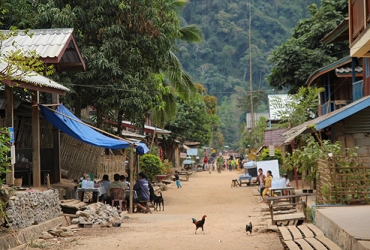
<point x="68" y="123"/>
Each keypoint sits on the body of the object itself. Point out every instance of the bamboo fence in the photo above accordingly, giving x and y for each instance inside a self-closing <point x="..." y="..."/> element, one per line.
<point x="79" y="158"/>
<point x="110" y="165"/>
<point x="343" y="180"/>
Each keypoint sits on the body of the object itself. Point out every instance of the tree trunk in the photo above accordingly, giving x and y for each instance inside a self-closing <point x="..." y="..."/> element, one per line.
<point x="77" y="102"/>
<point x="119" y="122"/>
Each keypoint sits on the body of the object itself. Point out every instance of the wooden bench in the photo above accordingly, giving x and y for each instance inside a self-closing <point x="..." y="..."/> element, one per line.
<point x="186" y="173"/>
<point x="234" y="183"/>
<point x="292" y="202"/>
<point x="305" y="237"/>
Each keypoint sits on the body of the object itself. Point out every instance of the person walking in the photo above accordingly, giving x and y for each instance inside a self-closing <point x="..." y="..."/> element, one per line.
<point x="205" y="162"/>
<point x="177" y="179"/>
<point x="220" y="161"/>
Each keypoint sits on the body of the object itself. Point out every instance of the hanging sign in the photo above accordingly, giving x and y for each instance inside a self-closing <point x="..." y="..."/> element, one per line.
<point x="272" y="150"/>
<point x="11" y="131"/>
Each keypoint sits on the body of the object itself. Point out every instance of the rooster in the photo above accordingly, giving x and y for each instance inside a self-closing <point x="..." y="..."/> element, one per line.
<point x="199" y="223"/>
<point x="248" y="228"/>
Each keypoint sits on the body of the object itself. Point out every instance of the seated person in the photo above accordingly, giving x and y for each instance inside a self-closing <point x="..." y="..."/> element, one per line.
<point x="142" y="190"/>
<point x="105" y="184"/>
<point x="123" y="179"/>
<point x="116" y="184"/>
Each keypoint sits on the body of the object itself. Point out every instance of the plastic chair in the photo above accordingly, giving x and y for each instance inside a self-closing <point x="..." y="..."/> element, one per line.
<point x="118" y="194"/>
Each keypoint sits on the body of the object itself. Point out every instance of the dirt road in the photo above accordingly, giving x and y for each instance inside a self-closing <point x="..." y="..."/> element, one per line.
<point x="228" y="210"/>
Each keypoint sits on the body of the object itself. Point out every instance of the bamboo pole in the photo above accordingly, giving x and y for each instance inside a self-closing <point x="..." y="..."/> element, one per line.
<point x="131" y="178"/>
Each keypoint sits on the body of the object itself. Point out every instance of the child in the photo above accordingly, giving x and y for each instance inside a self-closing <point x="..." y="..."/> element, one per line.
<point x="268" y="181"/>
<point x="178" y="183"/>
<point x="287" y="183"/>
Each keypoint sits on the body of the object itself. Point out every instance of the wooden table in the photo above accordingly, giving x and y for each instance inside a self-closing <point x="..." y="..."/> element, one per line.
<point x="97" y="192"/>
<point x="294" y="201"/>
<point x="289" y="198"/>
<point x="291" y="190"/>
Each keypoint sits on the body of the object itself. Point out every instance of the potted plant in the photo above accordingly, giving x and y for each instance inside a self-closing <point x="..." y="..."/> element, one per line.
<point x="151" y="165"/>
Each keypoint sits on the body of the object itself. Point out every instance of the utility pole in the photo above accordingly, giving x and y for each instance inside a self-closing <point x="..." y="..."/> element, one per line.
<point x="250" y="65"/>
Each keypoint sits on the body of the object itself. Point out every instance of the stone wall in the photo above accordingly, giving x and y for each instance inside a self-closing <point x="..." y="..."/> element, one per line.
<point x="31" y="208"/>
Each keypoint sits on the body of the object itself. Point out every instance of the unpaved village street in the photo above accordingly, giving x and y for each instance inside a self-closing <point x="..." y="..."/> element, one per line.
<point x="228" y="210"/>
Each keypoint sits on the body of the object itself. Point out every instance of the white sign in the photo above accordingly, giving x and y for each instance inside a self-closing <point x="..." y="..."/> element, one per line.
<point x="183" y="155"/>
<point x="272" y="165"/>
<point x="272" y="150"/>
<point x="12" y="154"/>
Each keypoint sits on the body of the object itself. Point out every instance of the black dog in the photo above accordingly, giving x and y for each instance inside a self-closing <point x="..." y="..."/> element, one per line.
<point x="158" y="200"/>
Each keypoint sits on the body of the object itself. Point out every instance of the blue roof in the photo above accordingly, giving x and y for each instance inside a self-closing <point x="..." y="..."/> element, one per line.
<point x="327" y="119"/>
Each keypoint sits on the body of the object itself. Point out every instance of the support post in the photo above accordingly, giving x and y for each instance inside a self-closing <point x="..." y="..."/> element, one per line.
<point x="131" y="178"/>
<point x="295" y="168"/>
<point x="36" y="162"/>
<point x="56" y="147"/>
<point x="9" y="121"/>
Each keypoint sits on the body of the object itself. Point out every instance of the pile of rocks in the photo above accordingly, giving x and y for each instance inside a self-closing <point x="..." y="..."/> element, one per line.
<point x="98" y="214"/>
<point x="32" y="207"/>
<point x="59" y="231"/>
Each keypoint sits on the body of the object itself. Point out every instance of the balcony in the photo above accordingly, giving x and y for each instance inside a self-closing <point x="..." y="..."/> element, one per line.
<point x="357" y="90"/>
<point x="359" y="18"/>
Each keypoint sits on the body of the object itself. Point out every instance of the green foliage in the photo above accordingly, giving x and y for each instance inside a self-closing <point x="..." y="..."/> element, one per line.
<point x="254" y="138"/>
<point x="298" y="108"/>
<point x="221" y="61"/>
<point x="303" y="53"/>
<point x="4" y="151"/>
<point x="151" y="165"/>
<point x="192" y="122"/>
<point x="265" y="156"/>
<point x="305" y="159"/>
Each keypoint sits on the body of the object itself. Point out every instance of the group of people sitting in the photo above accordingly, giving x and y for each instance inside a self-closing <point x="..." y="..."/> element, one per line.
<point x="143" y="188"/>
<point x="265" y="182"/>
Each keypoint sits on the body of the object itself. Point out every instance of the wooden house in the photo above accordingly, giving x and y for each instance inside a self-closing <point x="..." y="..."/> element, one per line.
<point x="36" y="141"/>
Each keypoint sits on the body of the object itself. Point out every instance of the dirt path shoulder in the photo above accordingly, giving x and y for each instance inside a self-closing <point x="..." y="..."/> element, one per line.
<point x="228" y="210"/>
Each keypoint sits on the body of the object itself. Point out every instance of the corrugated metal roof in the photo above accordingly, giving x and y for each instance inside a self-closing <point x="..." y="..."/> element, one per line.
<point x="327" y="119"/>
<point x="274" y="137"/>
<point x="56" y="46"/>
<point x="33" y="78"/>
<point x="46" y="42"/>
<point x="348" y="70"/>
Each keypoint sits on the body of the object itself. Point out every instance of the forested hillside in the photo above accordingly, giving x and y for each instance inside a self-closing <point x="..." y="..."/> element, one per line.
<point x="221" y="61"/>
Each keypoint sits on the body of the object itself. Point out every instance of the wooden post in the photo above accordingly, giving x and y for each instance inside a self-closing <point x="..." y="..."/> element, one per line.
<point x="131" y="178"/>
<point x="9" y="121"/>
<point x="56" y="147"/>
<point x="295" y="168"/>
<point x="36" y="162"/>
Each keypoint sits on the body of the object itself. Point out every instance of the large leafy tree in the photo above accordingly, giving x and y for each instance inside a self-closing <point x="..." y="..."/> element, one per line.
<point x="127" y="47"/>
<point x="303" y="53"/>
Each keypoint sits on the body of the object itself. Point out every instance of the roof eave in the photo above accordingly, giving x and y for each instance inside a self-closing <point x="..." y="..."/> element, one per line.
<point x="338" y="34"/>
<point x="327" y="69"/>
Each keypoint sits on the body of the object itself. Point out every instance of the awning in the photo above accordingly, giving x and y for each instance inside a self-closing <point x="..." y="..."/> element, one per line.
<point x="68" y="123"/>
<point x="327" y="119"/>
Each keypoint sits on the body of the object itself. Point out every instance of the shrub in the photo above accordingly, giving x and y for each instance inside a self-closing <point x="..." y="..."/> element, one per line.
<point x="151" y="165"/>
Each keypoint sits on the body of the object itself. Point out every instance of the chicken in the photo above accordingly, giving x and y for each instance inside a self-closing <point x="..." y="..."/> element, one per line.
<point x="248" y="228"/>
<point x="199" y="223"/>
